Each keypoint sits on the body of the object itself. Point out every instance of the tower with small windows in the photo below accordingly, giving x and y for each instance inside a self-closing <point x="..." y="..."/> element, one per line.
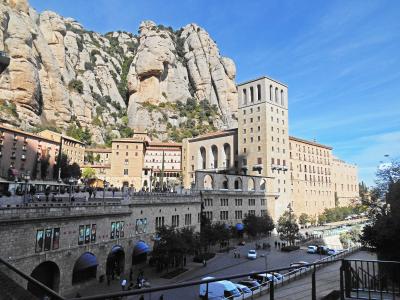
<point x="263" y="140"/>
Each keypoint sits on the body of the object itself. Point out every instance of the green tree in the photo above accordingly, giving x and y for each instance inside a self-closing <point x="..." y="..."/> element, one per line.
<point x="255" y="225"/>
<point x="288" y="229"/>
<point x="353" y="236"/>
<point x="88" y="173"/>
<point x="67" y="170"/>
<point x="304" y="219"/>
<point x="322" y="219"/>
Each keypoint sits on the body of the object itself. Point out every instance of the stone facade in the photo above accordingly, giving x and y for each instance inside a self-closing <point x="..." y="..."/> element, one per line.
<point x="345" y="180"/>
<point x="19" y="227"/>
<point x="22" y="152"/>
<point x="310" y="177"/>
<point x="74" y="149"/>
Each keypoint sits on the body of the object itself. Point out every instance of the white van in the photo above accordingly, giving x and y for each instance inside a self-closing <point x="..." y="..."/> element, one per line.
<point x="219" y="290"/>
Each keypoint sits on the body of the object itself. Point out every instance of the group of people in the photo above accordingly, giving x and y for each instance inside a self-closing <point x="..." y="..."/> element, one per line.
<point x="236" y="254"/>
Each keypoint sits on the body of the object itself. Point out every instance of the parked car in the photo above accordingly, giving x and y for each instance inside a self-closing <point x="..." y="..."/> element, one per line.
<point x="322" y="250"/>
<point x="333" y="252"/>
<point x="299" y="265"/>
<point x="223" y="289"/>
<point x="252" y="254"/>
<point x="251" y="284"/>
<point x="312" y="249"/>
<point x="244" y="290"/>
<point x="261" y="278"/>
<point x="278" y="276"/>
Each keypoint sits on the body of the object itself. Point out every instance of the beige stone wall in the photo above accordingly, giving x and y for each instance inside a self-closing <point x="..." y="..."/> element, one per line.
<point x="215" y="151"/>
<point x="263" y="140"/>
<point x="345" y="179"/>
<point x="103" y="155"/>
<point x="311" y="177"/>
<point x="74" y="149"/>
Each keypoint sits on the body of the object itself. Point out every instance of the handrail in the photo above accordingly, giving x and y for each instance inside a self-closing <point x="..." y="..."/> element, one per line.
<point x="198" y="282"/>
<point x="32" y="280"/>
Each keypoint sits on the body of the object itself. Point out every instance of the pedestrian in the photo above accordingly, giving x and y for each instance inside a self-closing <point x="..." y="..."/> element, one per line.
<point x="131" y="275"/>
<point x="279" y="244"/>
<point x="161" y="297"/>
<point x="108" y="279"/>
<point x="90" y="193"/>
<point x="204" y="263"/>
<point x="123" y="284"/>
<point x="276" y="243"/>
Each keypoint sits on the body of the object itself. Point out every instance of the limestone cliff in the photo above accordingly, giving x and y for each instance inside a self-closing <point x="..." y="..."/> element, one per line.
<point x="64" y="76"/>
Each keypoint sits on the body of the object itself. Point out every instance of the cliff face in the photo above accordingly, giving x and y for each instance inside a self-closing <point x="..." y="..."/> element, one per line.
<point x="64" y="76"/>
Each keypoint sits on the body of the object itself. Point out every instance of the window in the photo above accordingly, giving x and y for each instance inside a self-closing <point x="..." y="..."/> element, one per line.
<point x="252" y="212"/>
<point x="125" y="171"/>
<point x="270" y="92"/>
<point x="224" y="202"/>
<point x="159" y="222"/>
<point x="244" y="96"/>
<point x="208" y="202"/>
<point x="251" y="94"/>
<point x="238" y="202"/>
<point x="276" y="95"/>
<point x="126" y="162"/>
<point x="238" y="214"/>
<point x="252" y="202"/>
<point x="263" y="212"/>
<point x="175" y="221"/>
<point x="259" y="160"/>
<point x="188" y="219"/>
<point x="258" y="92"/>
<point x="223" y="215"/>
<point x="262" y="201"/>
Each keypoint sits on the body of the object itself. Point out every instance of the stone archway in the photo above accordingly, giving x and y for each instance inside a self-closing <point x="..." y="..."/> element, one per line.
<point x="85" y="268"/>
<point x="250" y="184"/>
<point x="115" y="263"/>
<point x="238" y="183"/>
<point x="47" y="273"/>
<point x="208" y="182"/>
<point x="139" y="253"/>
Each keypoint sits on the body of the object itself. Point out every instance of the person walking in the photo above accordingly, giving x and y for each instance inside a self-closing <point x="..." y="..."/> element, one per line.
<point x="123" y="284"/>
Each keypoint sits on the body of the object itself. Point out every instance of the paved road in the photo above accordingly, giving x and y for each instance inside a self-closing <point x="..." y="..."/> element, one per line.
<point x="225" y="265"/>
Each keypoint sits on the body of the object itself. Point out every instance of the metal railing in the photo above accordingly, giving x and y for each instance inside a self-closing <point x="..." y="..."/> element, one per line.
<point x="370" y="279"/>
<point x="269" y="287"/>
<point x="37" y="284"/>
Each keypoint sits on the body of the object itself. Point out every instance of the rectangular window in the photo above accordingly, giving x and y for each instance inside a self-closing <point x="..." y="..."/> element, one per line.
<point x="125" y="171"/>
<point x="259" y="92"/>
<point x="252" y="212"/>
<point x="39" y="240"/>
<point x="112" y="234"/>
<point x="56" y="238"/>
<point x="81" y="237"/>
<point x="93" y="233"/>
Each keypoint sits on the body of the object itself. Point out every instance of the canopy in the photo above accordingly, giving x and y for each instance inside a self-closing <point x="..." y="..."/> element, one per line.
<point x="87" y="260"/>
<point x="239" y="226"/>
<point x="140" y="248"/>
<point x="116" y="248"/>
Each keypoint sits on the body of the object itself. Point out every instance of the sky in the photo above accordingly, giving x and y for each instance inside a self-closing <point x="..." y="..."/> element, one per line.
<point x="340" y="59"/>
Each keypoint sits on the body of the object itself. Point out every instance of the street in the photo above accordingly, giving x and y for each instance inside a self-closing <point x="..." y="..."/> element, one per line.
<point x="225" y="264"/>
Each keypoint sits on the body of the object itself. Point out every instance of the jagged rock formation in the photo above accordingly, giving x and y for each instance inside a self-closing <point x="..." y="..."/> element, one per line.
<point x="62" y="75"/>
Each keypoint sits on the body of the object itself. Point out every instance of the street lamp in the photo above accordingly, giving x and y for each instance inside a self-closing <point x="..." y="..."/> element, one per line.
<point x="27" y="177"/>
<point x="70" y="181"/>
<point x="151" y="178"/>
<point x="104" y="188"/>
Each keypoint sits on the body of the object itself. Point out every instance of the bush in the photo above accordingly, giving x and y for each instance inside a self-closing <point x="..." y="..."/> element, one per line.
<point x="204" y="256"/>
<point x="290" y="248"/>
<point x="76" y="85"/>
<point x="89" y="66"/>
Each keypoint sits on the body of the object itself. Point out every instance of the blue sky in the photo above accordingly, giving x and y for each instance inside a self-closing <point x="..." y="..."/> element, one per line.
<point x="340" y="59"/>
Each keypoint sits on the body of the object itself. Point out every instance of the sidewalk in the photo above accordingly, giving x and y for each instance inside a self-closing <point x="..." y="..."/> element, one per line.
<point x="327" y="280"/>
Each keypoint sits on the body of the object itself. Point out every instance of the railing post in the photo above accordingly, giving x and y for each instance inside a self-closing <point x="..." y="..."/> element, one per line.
<point x="313" y="286"/>
<point x="206" y="297"/>
<point x="271" y="290"/>
<point x="341" y="270"/>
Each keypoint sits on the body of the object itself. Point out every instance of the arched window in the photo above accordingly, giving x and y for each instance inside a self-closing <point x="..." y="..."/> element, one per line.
<point x="202" y="158"/>
<point x="251" y="94"/>
<point x="259" y="92"/>
<point x="227" y="153"/>
<point x="47" y="273"/>
<point x="225" y="184"/>
<point x="270" y="92"/>
<point x="263" y="185"/>
<point x="276" y="95"/>
<point x="244" y="96"/>
<point x="250" y="184"/>
<point x="214" y="157"/>
<point x="282" y="98"/>
<point x="208" y="182"/>
<point x="238" y="183"/>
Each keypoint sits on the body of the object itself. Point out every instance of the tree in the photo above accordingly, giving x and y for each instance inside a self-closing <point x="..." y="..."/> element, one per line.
<point x="313" y="221"/>
<point x="88" y="173"/>
<point x="353" y="235"/>
<point x="287" y="228"/>
<point x="255" y="225"/>
<point x="304" y="219"/>
<point x="67" y="170"/>
<point x="322" y="219"/>
<point x="382" y="231"/>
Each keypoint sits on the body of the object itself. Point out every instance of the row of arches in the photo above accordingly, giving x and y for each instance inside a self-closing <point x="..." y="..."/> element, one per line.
<point x="210" y="184"/>
<point x="85" y="268"/>
<point x="211" y="159"/>
<point x="275" y="95"/>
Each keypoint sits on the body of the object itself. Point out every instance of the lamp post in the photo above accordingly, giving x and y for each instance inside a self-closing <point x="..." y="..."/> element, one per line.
<point x="104" y="188"/>
<point x="70" y="181"/>
<point x="26" y="178"/>
<point x="151" y="179"/>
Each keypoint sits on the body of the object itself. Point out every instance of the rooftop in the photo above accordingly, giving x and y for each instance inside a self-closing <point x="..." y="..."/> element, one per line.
<point x="34" y="135"/>
<point x="259" y="78"/>
<point x="215" y="134"/>
<point x="309" y="142"/>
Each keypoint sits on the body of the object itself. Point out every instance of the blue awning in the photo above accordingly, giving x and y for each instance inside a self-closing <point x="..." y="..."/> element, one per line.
<point x="140" y="248"/>
<point x="239" y="226"/>
<point x="116" y="248"/>
<point x="87" y="260"/>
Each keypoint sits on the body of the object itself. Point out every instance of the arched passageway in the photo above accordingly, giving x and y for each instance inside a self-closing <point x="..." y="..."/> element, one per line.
<point x="214" y="157"/>
<point x="238" y="183"/>
<point x="139" y="254"/>
<point x="47" y="273"/>
<point x="115" y="261"/>
<point x="85" y="268"/>
<point x="208" y="182"/>
<point x="202" y="159"/>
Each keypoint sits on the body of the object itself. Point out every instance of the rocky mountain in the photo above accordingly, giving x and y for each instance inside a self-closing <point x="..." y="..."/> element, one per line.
<point x="173" y="84"/>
